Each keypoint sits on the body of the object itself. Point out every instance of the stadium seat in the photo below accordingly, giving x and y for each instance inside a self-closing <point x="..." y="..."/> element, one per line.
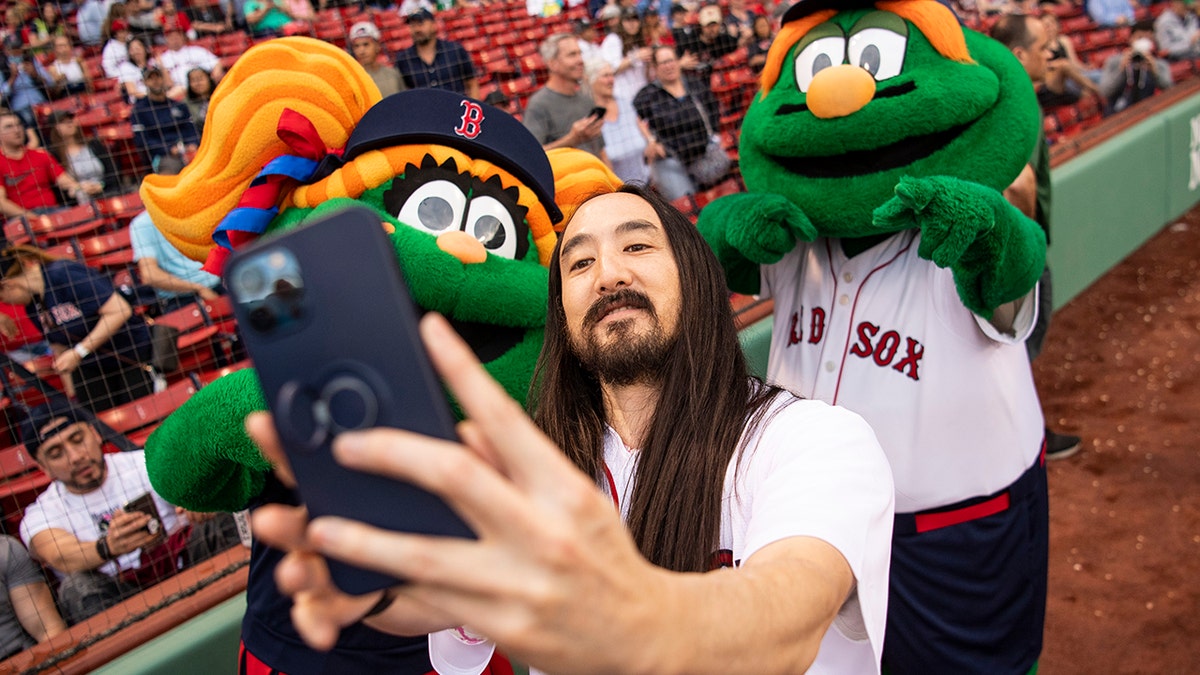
<point x="109" y="250"/>
<point x="120" y="208"/>
<point x="138" y="419"/>
<point x="64" y="224"/>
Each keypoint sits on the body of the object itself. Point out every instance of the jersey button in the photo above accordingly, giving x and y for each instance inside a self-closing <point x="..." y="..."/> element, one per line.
<point x="844" y="300"/>
<point x="829" y="366"/>
<point x="848" y="277"/>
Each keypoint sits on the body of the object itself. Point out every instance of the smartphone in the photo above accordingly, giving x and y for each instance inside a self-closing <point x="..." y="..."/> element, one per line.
<point x="598" y="112"/>
<point x="331" y="329"/>
<point x="146" y="505"/>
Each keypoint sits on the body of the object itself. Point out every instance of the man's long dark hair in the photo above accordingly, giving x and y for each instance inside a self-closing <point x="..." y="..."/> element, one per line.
<point x="706" y="400"/>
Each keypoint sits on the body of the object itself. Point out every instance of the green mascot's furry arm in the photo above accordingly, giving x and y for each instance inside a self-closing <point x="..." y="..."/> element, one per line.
<point x="952" y="123"/>
<point x="298" y="97"/>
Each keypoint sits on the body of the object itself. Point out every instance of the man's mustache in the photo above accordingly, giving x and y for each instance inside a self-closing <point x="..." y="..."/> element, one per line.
<point x="624" y="298"/>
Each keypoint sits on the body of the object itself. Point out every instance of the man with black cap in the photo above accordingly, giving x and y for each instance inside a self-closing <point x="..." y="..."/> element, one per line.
<point x="433" y="62"/>
<point x="163" y="128"/>
<point x="99" y="525"/>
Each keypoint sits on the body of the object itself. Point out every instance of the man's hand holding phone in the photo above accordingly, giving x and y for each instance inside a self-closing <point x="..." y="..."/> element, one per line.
<point x="129" y="530"/>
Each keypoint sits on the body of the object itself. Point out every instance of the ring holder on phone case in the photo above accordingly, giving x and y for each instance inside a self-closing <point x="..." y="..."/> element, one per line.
<point x="343" y="397"/>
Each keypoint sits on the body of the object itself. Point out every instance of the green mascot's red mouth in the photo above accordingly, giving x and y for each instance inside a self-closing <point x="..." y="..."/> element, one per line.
<point x="861" y="162"/>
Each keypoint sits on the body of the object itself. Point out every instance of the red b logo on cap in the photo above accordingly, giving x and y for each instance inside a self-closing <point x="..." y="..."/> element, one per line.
<point x="471" y="120"/>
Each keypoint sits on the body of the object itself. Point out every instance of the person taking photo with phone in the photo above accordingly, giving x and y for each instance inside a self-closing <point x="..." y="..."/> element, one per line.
<point x="661" y="512"/>
<point x="85" y="527"/>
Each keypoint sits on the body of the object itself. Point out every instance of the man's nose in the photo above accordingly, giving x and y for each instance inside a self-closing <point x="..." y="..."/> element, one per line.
<point x="610" y="275"/>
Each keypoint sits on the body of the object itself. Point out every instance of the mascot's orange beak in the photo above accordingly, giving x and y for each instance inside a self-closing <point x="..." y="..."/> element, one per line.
<point x="463" y="246"/>
<point x="841" y="90"/>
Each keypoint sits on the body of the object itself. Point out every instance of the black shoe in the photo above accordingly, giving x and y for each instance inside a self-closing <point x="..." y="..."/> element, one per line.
<point x="1059" y="446"/>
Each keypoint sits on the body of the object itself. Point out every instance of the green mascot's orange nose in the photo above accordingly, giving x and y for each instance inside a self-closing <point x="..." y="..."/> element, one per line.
<point x="841" y="90"/>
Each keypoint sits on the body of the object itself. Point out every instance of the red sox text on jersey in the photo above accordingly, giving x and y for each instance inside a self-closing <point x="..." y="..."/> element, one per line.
<point x="883" y="347"/>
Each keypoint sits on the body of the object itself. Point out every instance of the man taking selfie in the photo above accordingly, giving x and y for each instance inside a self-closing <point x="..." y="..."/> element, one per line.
<point x="662" y="512"/>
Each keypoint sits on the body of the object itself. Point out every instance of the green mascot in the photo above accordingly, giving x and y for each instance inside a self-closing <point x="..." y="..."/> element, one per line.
<point x="471" y="203"/>
<point x="875" y="158"/>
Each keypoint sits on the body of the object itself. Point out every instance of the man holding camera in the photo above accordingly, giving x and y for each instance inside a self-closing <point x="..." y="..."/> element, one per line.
<point x="1135" y="73"/>
<point x="89" y="526"/>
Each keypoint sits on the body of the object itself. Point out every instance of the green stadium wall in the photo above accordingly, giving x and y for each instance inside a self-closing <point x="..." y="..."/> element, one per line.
<point x="1107" y="202"/>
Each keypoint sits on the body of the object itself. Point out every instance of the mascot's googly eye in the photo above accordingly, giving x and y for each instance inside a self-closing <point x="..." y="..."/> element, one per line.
<point x="435" y="207"/>
<point x="879" y="51"/>
<point x="490" y="222"/>
<point x="817" y="56"/>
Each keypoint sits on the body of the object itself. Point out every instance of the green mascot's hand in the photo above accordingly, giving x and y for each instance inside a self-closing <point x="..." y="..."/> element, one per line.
<point x="200" y="458"/>
<point x="751" y="229"/>
<point x="995" y="252"/>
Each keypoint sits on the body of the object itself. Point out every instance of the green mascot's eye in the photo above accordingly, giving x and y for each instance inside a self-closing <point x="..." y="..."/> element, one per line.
<point x="435" y="207"/>
<point x="490" y="222"/>
<point x="879" y="51"/>
<point x="817" y="56"/>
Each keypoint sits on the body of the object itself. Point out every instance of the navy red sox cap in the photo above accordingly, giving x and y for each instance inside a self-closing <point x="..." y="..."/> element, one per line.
<point x="48" y="419"/>
<point x="440" y="117"/>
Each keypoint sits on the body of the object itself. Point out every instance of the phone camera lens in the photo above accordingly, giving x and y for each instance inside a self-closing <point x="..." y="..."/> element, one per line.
<point x="252" y="281"/>
<point x="262" y="319"/>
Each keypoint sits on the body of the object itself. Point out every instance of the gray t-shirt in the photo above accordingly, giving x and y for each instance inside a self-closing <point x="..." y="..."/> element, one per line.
<point x="549" y="116"/>
<point x="16" y="570"/>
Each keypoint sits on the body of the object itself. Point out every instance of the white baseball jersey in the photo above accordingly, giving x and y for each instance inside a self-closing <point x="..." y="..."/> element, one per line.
<point x="812" y="470"/>
<point x="885" y="334"/>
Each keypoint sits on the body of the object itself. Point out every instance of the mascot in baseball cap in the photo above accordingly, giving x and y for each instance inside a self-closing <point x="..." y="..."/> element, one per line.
<point x="471" y="203"/>
<point x="875" y="158"/>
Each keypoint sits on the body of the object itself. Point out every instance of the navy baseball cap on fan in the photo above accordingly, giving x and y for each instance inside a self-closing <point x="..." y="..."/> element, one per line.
<point x="47" y="419"/>
<point x="419" y="15"/>
<point x="440" y="117"/>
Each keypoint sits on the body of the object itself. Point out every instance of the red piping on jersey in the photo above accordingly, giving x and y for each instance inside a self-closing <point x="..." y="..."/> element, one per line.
<point x="612" y="488"/>
<point x="850" y="329"/>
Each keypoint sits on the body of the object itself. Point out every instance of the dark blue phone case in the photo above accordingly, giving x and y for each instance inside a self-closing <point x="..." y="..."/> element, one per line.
<point x="344" y="353"/>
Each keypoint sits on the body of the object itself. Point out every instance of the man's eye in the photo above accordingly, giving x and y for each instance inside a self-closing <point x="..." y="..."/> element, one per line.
<point x="580" y="264"/>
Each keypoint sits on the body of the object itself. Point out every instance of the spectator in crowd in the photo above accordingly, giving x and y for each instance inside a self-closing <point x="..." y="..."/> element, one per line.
<point x="209" y="18"/>
<point x="39" y="33"/>
<point x="145" y="19"/>
<point x="624" y="51"/>
<point x="115" y="51"/>
<point x="680" y="113"/>
<point x="609" y="16"/>
<point x="88" y="160"/>
<point x="409" y="7"/>
<point x="498" y="99"/>
<point x="269" y="18"/>
<point x="1135" y="73"/>
<point x="625" y="139"/>
<point x="756" y="50"/>
<point x="97" y="339"/>
<point x="1177" y="30"/>
<point x="685" y="34"/>
<point x="170" y="18"/>
<point x="67" y="71"/>
<point x="27" y="611"/>
<point x="713" y="42"/>
<point x="30" y="175"/>
<point x="80" y="526"/>
<point x="585" y="33"/>
<point x="1110" y="13"/>
<point x="739" y="21"/>
<point x="1026" y="37"/>
<point x="560" y="113"/>
<point x="365" y="44"/>
<point x="131" y="73"/>
<point x="24" y="82"/>
<point x="163" y="128"/>
<point x="13" y="31"/>
<point x="654" y="32"/>
<point x="176" y="278"/>
<point x="180" y="57"/>
<point x="793" y="496"/>
<point x="1065" y="78"/>
<point x="199" y="92"/>
<point x="89" y="20"/>
<point x="433" y="62"/>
